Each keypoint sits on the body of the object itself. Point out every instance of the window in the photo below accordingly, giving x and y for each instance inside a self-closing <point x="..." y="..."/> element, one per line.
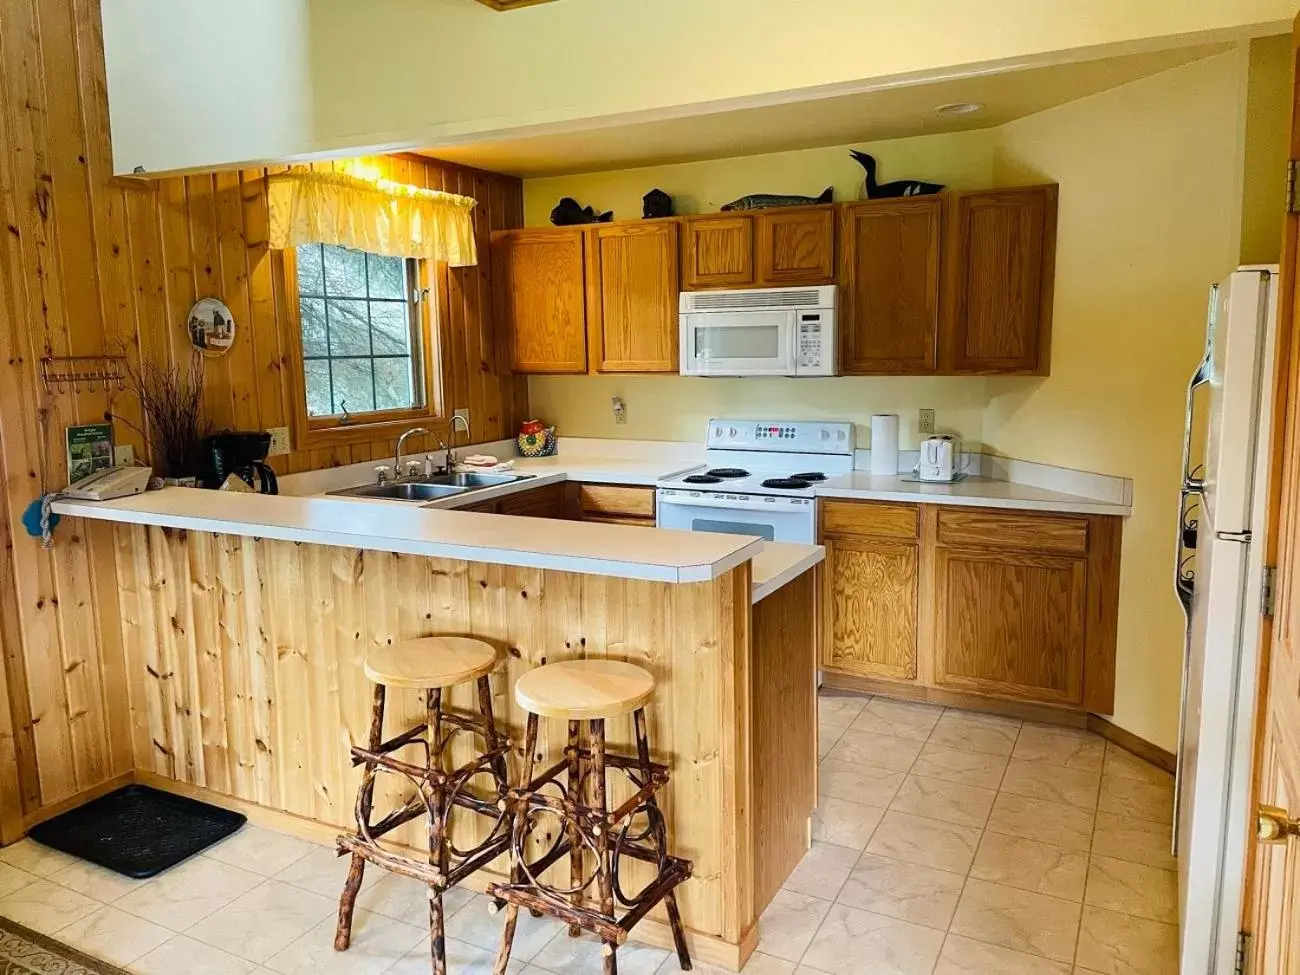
<point x="366" y="350"/>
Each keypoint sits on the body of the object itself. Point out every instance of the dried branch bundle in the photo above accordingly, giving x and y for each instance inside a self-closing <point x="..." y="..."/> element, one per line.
<point x="171" y="402"/>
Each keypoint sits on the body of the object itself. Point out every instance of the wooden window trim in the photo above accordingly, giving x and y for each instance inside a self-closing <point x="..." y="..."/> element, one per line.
<point x="311" y="432"/>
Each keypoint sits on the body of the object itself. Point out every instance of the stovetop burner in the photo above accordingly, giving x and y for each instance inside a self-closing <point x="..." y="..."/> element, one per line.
<point x="786" y="483"/>
<point x="728" y="473"/>
<point x="810" y="476"/>
<point x="701" y="479"/>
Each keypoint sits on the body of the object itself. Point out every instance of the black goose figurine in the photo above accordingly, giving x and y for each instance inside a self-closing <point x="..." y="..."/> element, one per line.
<point x="899" y="187"/>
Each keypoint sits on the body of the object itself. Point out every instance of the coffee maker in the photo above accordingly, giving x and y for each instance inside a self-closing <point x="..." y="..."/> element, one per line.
<point x="242" y="454"/>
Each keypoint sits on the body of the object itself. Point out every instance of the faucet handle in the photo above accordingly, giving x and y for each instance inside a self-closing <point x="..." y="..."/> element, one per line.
<point x="413" y="468"/>
<point x="383" y="473"/>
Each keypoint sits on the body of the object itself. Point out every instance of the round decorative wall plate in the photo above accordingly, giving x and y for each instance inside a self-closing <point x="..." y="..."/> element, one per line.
<point x="211" y="326"/>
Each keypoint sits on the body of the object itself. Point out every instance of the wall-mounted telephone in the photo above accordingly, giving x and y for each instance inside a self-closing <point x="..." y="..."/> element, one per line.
<point x="115" y="482"/>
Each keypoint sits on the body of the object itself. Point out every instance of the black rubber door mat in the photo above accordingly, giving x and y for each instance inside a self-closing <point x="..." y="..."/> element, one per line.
<point x="138" y="831"/>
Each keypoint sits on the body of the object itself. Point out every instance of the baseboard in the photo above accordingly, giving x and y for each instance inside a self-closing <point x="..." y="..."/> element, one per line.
<point x="72" y="802"/>
<point x="1130" y="742"/>
<point x="899" y="691"/>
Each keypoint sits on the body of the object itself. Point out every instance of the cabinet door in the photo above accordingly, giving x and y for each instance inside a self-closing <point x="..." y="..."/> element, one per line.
<point x="1010" y="623"/>
<point x="540" y="298"/>
<point x="890" y="257"/>
<point x="717" y="252"/>
<point x="870" y="602"/>
<point x="632" y="298"/>
<point x="796" y="246"/>
<point x="542" y="502"/>
<point x="1003" y="260"/>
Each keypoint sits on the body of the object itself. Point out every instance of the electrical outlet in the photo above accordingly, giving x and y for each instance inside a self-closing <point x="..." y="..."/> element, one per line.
<point x="279" y="441"/>
<point x="925" y="423"/>
<point x="123" y="455"/>
<point x="620" y="409"/>
<point x="463" y="411"/>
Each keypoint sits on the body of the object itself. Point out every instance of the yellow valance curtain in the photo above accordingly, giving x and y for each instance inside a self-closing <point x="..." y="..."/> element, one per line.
<point x="373" y="215"/>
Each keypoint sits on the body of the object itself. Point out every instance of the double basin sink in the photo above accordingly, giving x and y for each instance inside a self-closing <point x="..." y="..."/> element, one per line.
<point x="430" y="488"/>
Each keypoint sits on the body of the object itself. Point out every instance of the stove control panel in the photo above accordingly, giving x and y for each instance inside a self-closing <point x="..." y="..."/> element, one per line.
<point x="813" y="437"/>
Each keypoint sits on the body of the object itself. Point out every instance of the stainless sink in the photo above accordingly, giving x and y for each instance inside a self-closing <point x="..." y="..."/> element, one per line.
<point x="474" y="480"/>
<point x="430" y="488"/>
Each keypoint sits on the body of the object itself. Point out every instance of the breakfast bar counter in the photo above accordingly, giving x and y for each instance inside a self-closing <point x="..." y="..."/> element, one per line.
<point x="245" y="621"/>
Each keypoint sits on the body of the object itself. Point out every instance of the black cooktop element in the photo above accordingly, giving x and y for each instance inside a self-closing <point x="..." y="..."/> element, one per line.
<point x="810" y="476"/>
<point x="701" y="479"/>
<point x="727" y="472"/>
<point x="786" y="483"/>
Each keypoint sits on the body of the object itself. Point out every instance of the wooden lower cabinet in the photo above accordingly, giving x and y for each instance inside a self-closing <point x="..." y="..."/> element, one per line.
<point x="613" y="504"/>
<point x="1015" y="605"/>
<point x="548" y="501"/>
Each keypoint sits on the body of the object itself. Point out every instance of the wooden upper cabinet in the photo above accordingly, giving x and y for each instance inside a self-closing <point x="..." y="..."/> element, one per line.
<point x="717" y="252"/>
<point x="540" y="298"/>
<point x="795" y="246"/>
<point x="1002" y="273"/>
<point x="632" y="297"/>
<point x="890" y="259"/>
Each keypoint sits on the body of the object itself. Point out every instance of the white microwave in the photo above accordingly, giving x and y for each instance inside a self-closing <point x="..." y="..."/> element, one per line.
<point x="763" y="332"/>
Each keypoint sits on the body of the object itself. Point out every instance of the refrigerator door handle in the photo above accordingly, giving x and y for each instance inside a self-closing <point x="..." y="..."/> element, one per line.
<point x="1202" y="375"/>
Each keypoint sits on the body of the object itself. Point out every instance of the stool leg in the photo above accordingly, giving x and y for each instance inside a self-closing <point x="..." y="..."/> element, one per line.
<point x="489" y="719"/>
<point x="574" y="794"/>
<point x="517" y="869"/>
<point x="437" y="834"/>
<point x="600" y="803"/>
<point x="670" y="900"/>
<point x="352" y="886"/>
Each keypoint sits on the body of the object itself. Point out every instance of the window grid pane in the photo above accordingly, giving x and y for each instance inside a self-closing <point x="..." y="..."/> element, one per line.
<point x="343" y="285"/>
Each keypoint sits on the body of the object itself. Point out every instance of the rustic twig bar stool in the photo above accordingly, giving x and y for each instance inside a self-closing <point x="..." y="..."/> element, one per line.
<point x="590" y="691"/>
<point x="430" y="665"/>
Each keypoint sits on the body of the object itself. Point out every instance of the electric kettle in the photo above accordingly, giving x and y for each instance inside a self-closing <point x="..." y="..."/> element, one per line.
<point x="940" y="459"/>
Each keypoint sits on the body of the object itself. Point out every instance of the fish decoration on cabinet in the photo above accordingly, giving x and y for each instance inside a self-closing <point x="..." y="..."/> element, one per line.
<point x="899" y="187"/>
<point x="764" y="201"/>
<point x="656" y="203"/>
<point x="570" y="213"/>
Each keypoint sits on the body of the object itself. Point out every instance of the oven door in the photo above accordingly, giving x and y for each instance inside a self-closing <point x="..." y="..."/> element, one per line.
<point x="774" y="519"/>
<point x="739" y="343"/>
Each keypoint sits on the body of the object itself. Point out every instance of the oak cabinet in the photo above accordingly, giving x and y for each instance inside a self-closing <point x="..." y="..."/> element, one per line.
<point x="632" y="297"/>
<point x="717" y="252"/>
<point x="548" y="501"/>
<point x="613" y="504"/>
<point x="1001" y="277"/>
<point x="540" y="295"/>
<point x="890" y="260"/>
<point x="778" y="248"/>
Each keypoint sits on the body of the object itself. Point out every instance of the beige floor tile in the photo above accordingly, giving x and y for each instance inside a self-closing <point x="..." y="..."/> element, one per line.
<point x="114" y="936"/>
<point x="1131" y="888"/>
<point x="845" y="823"/>
<point x="1048" y="822"/>
<point x="822" y="871"/>
<point x="905" y="891"/>
<point x="880" y="751"/>
<point x="827" y="736"/>
<point x="475" y="924"/>
<point x="406" y="899"/>
<point x="12" y="879"/>
<point x="1030" y="865"/>
<point x="957" y="765"/>
<point x="321" y="871"/>
<point x="1053" y="783"/>
<point x="1060" y="746"/>
<point x="46" y="907"/>
<point x="184" y="895"/>
<point x="378" y="943"/>
<point x="262" y="922"/>
<point x="969" y="732"/>
<point x="928" y="842"/>
<point x="866" y="784"/>
<point x="1033" y="923"/>
<point x="1142" y="800"/>
<point x="839" y="709"/>
<point x="1118" y="944"/>
<point x="898" y="719"/>
<point x="182" y="954"/>
<point x="32" y="857"/>
<point x="758" y="964"/>
<point x="876" y="944"/>
<point x="1126" y="838"/>
<point x="106" y="886"/>
<point x="963" y="956"/>
<point x="1126" y="765"/>
<point x="787" y="926"/>
<point x="581" y="956"/>
<point x="463" y="959"/>
<point x="951" y="802"/>
<point x="261" y="851"/>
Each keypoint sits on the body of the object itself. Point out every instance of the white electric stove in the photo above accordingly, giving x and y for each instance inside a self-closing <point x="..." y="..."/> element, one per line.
<point x="759" y="479"/>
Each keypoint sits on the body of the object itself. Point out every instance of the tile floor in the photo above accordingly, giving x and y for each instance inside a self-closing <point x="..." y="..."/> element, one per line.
<point x="946" y="842"/>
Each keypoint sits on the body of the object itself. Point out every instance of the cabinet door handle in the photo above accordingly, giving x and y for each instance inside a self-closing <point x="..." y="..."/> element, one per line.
<point x="1276" y="825"/>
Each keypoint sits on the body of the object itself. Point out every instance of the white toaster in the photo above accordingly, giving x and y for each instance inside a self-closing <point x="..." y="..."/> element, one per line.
<point x="940" y="459"/>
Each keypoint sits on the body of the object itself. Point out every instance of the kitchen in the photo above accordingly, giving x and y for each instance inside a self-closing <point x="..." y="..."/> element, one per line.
<point x="957" y="450"/>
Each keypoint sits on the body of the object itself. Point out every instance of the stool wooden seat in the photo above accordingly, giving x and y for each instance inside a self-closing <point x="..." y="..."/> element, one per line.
<point x="432" y="661"/>
<point x="581" y="690"/>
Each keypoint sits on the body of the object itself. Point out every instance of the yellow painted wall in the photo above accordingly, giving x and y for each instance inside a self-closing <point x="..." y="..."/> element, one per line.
<point x="1269" y="93"/>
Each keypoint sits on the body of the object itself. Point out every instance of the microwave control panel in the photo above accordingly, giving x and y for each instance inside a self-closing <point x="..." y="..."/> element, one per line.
<point x="811" y="347"/>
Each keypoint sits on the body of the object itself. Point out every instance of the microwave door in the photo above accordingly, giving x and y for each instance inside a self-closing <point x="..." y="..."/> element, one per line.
<point x="739" y="344"/>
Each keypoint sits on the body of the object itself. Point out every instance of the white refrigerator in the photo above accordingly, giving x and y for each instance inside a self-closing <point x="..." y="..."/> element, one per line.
<point x="1220" y="581"/>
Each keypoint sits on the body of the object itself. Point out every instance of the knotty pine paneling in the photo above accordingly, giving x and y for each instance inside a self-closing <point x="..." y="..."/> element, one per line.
<point x="93" y="264"/>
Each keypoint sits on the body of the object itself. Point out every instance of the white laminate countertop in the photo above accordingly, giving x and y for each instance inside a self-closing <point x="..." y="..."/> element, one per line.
<point x="779" y="563"/>
<point x="975" y="491"/>
<point x="621" y="551"/>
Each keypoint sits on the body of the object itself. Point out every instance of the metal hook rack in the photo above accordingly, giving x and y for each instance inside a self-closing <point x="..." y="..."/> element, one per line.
<point x="61" y="372"/>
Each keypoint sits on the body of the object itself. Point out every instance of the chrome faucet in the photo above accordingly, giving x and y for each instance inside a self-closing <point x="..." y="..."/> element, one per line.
<point x="451" y="433"/>
<point x="401" y="442"/>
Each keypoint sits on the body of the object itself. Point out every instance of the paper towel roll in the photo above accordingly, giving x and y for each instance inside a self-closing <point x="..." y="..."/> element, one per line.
<point x="884" y="443"/>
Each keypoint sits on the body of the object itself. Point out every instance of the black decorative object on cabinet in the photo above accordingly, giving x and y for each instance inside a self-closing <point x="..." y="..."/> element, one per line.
<point x="899" y="187"/>
<point x="763" y="201"/>
<point x="656" y="203"/>
<point x="570" y="213"/>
